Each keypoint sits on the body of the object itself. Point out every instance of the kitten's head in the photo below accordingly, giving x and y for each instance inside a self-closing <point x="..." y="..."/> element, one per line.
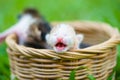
<point x="38" y="29"/>
<point x="63" y="38"/>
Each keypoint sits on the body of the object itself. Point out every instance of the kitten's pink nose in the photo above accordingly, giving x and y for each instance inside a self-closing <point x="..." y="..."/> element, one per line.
<point x="59" y="39"/>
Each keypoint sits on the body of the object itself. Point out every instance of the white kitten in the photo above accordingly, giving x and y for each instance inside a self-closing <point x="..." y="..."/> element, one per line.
<point x="63" y="38"/>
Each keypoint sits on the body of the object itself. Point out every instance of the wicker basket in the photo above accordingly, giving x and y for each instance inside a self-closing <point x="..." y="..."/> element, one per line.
<point x="40" y="64"/>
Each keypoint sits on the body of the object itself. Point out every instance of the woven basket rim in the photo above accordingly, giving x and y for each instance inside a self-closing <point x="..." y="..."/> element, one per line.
<point x="99" y="48"/>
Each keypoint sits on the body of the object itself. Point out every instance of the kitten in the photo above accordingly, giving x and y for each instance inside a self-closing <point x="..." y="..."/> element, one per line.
<point x="31" y="29"/>
<point x="37" y="32"/>
<point x="63" y="38"/>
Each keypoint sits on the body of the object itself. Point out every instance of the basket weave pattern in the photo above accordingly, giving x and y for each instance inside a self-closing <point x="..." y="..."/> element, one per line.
<point x="42" y="64"/>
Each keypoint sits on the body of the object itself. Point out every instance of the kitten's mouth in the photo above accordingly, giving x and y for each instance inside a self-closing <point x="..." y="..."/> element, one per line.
<point x="60" y="46"/>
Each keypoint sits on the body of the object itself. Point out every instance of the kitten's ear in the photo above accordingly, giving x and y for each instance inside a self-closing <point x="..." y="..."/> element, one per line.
<point x="80" y="37"/>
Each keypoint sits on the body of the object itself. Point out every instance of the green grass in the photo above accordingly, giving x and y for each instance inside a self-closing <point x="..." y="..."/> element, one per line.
<point x="58" y="10"/>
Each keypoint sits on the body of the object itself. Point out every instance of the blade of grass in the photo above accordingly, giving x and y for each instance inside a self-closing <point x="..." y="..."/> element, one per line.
<point x="91" y="77"/>
<point x="72" y="75"/>
<point x="73" y="72"/>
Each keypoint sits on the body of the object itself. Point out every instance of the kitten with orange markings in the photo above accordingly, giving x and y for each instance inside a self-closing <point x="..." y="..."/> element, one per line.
<point x="63" y="38"/>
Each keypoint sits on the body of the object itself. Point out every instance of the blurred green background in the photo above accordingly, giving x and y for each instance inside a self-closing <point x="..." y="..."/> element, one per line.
<point x="58" y="10"/>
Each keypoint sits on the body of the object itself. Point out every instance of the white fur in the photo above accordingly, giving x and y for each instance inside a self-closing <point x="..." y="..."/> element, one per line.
<point x="20" y="28"/>
<point x="69" y="37"/>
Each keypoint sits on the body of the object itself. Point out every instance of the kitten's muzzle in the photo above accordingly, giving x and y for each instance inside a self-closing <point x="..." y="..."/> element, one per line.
<point x="60" y="45"/>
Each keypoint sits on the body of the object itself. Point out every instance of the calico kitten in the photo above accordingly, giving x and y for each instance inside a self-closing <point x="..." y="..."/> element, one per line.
<point x="37" y="32"/>
<point x="31" y="29"/>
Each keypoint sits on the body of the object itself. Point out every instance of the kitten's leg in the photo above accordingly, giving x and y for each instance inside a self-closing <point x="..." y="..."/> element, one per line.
<point x="4" y="34"/>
